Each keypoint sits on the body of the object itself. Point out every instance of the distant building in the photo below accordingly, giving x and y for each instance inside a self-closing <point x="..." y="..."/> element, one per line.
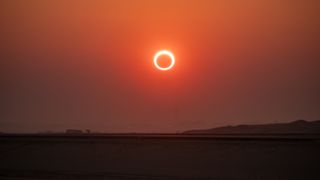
<point x="73" y="131"/>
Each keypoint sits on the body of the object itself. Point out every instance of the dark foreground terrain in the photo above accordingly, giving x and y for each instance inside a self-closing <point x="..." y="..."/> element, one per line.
<point x="153" y="157"/>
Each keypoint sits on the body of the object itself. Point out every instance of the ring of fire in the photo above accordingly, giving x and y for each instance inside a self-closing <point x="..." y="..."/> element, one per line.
<point x="164" y="53"/>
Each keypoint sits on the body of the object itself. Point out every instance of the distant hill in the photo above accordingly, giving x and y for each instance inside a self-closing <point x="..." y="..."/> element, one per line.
<point x="295" y="127"/>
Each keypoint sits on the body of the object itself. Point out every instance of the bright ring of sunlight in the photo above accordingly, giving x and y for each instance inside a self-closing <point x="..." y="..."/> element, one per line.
<point x="162" y="53"/>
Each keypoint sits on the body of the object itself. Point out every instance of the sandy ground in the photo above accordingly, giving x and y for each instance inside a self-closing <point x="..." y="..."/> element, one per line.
<point x="158" y="158"/>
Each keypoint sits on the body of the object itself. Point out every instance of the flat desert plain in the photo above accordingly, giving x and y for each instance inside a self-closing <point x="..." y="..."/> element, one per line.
<point x="154" y="157"/>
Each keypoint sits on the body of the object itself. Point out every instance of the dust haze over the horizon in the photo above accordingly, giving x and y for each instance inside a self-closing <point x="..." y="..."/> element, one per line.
<point x="88" y="64"/>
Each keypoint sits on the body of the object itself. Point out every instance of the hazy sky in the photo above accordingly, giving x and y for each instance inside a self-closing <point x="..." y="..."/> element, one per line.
<point x="88" y="64"/>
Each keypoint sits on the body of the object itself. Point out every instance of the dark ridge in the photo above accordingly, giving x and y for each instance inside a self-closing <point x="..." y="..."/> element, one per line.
<point x="295" y="127"/>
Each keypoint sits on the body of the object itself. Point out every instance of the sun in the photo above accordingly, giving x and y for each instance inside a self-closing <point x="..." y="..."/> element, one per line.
<point x="164" y="53"/>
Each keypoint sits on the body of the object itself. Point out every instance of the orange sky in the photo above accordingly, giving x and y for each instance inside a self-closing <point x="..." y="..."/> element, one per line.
<point x="88" y="64"/>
